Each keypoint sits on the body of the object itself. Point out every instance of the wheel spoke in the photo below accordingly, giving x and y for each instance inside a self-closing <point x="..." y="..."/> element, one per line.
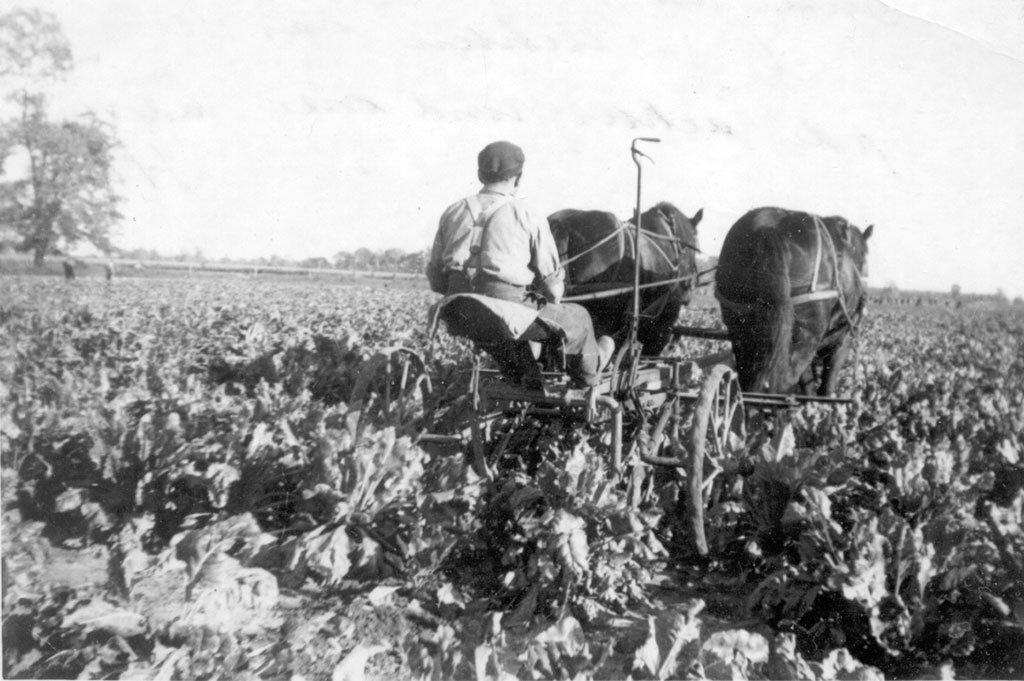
<point x="709" y="480"/>
<point x="717" y="436"/>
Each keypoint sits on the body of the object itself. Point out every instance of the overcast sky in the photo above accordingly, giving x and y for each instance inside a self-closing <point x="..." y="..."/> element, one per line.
<point x="304" y="128"/>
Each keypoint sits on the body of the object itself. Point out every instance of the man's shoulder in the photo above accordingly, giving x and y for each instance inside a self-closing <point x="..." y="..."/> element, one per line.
<point x="462" y="203"/>
<point x="457" y="209"/>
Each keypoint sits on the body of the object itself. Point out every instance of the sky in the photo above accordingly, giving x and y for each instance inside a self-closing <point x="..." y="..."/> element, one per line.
<point x="308" y="127"/>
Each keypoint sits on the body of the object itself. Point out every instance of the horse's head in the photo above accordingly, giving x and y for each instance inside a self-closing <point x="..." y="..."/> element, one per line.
<point x="853" y="242"/>
<point x="681" y="232"/>
<point x="860" y="239"/>
<point x="665" y="218"/>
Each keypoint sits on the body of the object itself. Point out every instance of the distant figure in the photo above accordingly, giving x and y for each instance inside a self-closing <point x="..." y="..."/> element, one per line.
<point x="108" y="270"/>
<point x="69" y="269"/>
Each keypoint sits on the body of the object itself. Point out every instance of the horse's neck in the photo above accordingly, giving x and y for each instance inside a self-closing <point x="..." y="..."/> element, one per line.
<point x="846" y="275"/>
<point x="663" y="244"/>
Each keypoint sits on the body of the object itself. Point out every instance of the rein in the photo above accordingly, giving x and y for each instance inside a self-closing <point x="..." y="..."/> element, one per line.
<point x="596" y="295"/>
<point x="622" y="226"/>
<point x="562" y="265"/>
<point x="701" y="274"/>
<point x="673" y="239"/>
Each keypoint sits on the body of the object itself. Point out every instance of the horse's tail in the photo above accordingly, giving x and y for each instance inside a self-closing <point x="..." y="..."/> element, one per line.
<point x="753" y="286"/>
<point x="779" y="304"/>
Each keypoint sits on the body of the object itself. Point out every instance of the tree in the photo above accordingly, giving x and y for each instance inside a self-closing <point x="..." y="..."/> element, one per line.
<point x="390" y="258"/>
<point x="343" y="260"/>
<point x="318" y="263"/>
<point x="364" y="259"/>
<point x="65" y="194"/>
<point x="32" y="48"/>
<point x="414" y="263"/>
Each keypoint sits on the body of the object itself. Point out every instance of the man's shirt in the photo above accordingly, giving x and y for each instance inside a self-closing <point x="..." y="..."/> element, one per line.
<point x="511" y="244"/>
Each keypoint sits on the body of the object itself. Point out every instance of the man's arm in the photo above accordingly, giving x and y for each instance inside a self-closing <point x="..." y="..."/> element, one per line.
<point x="451" y="239"/>
<point x="435" y="266"/>
<point x="544" y="261"/>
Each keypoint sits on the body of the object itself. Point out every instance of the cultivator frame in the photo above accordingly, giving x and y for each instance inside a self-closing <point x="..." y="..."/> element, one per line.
<point x="702" y="430"/>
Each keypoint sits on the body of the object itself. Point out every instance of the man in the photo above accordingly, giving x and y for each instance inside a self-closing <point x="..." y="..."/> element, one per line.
<point x="492" y="244"/>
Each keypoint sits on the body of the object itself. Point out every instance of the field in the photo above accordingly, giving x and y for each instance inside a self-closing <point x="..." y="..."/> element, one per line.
<point x="200" y="482"/>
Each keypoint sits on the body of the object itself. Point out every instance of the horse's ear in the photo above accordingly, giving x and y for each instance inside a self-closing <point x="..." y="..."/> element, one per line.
<point x="868" y="231"/>
<point x="696" y="218"/>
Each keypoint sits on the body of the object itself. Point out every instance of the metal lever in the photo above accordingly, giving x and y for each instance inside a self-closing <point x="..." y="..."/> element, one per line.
<point x="635" y="321"/>
<point x="636" y="152"/>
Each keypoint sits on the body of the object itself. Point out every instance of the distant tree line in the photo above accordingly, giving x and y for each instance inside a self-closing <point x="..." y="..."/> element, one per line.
<point x="362" y="259"/>
<point x="390" y="260"/>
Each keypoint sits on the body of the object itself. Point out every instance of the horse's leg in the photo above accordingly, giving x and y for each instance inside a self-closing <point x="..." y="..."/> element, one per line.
<point x="657" y="332"/>
<point x="809" y="323"/>
<point x="832" y="362"/>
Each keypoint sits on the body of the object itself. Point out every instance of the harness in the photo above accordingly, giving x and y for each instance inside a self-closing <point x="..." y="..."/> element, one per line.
<point x="820" y="231"/>
<point x="608" y="293"/>
<point x="644" y="232"/>
<point x="813" y="294"/>
<point x="671" y="239"/>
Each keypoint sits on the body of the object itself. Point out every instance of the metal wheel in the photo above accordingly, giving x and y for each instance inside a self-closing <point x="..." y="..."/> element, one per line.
<point x="391" y="385"/>
<point x="717" y="439"/>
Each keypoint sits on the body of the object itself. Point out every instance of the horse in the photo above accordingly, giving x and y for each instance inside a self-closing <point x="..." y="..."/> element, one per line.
<point x="791" y="288"/>
<point x="596" y="249"/>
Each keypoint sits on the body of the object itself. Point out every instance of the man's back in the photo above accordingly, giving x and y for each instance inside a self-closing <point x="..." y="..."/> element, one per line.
<point x="494" y="234"/>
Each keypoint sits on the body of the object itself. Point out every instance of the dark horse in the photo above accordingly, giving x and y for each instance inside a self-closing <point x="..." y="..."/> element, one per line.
<point x="791" y="290"/>
<point x="597" y="249"/>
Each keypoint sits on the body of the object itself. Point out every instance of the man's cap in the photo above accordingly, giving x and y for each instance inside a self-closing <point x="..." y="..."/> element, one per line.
<point x="499" y="161"/>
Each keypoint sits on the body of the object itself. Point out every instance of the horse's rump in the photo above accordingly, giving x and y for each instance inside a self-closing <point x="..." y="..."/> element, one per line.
<point x="787" y="281"/>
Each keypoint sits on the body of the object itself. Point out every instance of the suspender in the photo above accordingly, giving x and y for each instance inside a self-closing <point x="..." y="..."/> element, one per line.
<point x="481" y="218"/>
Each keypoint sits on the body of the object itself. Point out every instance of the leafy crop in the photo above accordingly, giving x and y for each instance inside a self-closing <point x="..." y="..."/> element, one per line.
<point x="898" y="542"/>
<point x="228" y="444"/>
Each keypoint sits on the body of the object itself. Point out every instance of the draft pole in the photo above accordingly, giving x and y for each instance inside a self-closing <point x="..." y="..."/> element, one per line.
<point x="634" y="327"/>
